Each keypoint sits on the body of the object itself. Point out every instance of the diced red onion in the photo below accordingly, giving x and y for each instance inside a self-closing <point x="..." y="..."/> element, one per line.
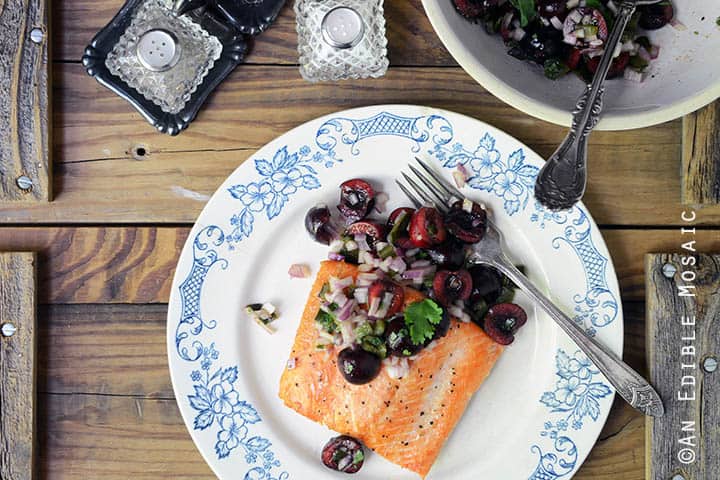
<point x="336" y="246"/>
<point x="398" y="265"/>
<point x="654" y="51"/>
<point x="633" y="75"/>
<point x="677" y="24"/>
<point x="381" y="200"/>
<point x="418" y="273"/>
<point x="644" y="54"/>
<point x="412" y="252"/>
<point x="344" y="312"/>
<point x="460" y="178"/>
<point x="570" y="39"/>
<point x="420" y="263"/>
<point x="507" y="19"/>
<point x="373" y="308"/>
<point x="339" y="284"/>
<point x="299" y="270"/>
<point x="628" y="46"/>
<point x="361" y="240"/>
<point x="596" y="43"/>
<point x="336" y="257"/>
<point x="555" y="21"/>
<point x="516" y="23"/>
<point x="361" y="294"/>
<point x="518" y="34"/>
<point x="572" y="4"/>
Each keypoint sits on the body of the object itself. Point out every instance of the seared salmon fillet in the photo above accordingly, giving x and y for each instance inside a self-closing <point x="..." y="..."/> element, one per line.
<point x="405" y="420"/>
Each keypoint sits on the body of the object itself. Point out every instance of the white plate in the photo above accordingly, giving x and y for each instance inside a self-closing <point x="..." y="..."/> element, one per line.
<point x="681" y="80"/>
<point x="540" y="411"/>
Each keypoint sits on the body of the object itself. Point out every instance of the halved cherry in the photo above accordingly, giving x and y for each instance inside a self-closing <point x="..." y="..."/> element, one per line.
<point x="617" y="67"/>
<point x="397" y="338"/>
<point x="503" y="321"/>
<point x="467" y="224"/>
<point x="372" y="230"/>
<point x="470" y="9"/>
<point x="573" y="58"/>
<point x="405" y="212"/>
<point x="427" y="228"/>
<point x="380" y="288"/>
<point x="449" y="254"/>
<point x="450" y="286"/>
<point x="357" y="198"/>
<point x="442" y="328"/>
<point x="487" y="284"/>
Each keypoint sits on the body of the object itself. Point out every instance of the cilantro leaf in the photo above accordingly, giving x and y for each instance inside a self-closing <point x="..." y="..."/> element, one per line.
<point x="421" y="318"/>
<point x="327" y="321"/>
<point x="527" y="10"/>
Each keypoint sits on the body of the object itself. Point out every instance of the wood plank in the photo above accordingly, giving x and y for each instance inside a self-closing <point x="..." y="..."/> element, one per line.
<point x="701" y="156"/>
<point x="101" y="265"/>
<point x="99" y="349"/>
<point x="411" y="39"/>
<point x="104" y="349"/>
<point x="24" y="108"/>
<point x="682" y="329"/>
<point x="259" y="103"/>
<point x="94" y="125"/>
<point x="89" y="436"/>
<point x="136" y="264"/>
<point x="115" y="438"/>
<point x="94" y="348"/>
<point x="17" y="365"/>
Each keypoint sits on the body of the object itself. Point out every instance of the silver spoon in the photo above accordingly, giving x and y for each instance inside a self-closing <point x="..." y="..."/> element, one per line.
<point x="561" y="182"/>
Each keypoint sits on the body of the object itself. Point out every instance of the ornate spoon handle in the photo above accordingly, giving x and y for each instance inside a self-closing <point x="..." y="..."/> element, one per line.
<point x="561" y="182"/>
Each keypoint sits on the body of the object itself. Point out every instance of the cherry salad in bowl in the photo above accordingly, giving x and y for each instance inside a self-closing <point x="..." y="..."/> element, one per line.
<point x="565" y="36"/>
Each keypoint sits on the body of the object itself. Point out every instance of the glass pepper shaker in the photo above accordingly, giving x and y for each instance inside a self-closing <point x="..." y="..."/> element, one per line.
<point x="341" y="39"/>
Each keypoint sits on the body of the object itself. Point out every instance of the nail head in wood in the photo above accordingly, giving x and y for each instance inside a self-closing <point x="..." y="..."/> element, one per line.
<point x="37" y="35"/>
<point x="24" y="182"/>
<point x="8" y="329"/>
<point x="710" y="364"/>
<point x="669" y="270"/>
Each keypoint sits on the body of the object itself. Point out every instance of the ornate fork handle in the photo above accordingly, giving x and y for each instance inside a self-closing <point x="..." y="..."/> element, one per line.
<point x="628" y="383"/>
<point x="561" y="182"/>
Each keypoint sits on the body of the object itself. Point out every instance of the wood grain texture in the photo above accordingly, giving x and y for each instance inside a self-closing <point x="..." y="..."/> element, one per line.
<point x="24" y="106"/>
<point x="95" y="125"/>
<point x="136" y="264"/>
<point x="684" y="330"/>
<point x="411" y="39"/>
<point x="101" y="265"/>
<point x="701" y="156"/>
<point x="119" y="438"/>
<point x="106" y="397"/>
<point x="17" y="366"/>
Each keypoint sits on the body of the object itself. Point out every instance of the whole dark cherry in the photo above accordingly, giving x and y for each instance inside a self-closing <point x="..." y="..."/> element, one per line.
<point x="357" y="198"/>
<point x="503" y="321"/>
<point x="344" y="454"/>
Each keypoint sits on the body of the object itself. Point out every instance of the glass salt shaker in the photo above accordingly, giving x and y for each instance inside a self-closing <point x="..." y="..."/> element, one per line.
<point x="341" y="39"/>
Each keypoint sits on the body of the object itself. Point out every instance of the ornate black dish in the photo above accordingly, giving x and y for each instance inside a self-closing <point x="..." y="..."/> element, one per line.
<point x="165" y="58"/>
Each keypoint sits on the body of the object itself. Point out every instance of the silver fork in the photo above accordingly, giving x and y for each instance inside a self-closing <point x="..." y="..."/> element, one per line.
<point x="431" y="189"/>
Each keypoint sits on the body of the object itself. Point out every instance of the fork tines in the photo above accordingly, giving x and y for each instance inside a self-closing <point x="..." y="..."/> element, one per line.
<point x="435" y="190"/>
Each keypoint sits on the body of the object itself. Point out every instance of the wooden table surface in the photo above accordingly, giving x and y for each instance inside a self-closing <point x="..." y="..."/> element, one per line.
<point x="125" y="198"/>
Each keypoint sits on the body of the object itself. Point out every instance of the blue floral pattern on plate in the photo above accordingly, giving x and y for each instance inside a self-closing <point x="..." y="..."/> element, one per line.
<point x="576" y="395"/>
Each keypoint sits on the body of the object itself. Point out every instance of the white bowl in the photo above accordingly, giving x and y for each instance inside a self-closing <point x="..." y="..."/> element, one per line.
<point x="684" y="78"/>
